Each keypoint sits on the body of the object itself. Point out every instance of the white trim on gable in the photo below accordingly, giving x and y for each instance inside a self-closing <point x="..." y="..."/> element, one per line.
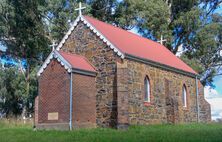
<point x="59" y="58"/>
<point x="100" y="35"/>
<point x="63" y="62"/>
<point x="68" y="33"/>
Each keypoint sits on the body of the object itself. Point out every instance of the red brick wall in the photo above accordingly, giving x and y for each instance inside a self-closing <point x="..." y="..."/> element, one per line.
<point x="36" y="110"/>
<point x="54" y="84"/>
<point x="84" y="101"/>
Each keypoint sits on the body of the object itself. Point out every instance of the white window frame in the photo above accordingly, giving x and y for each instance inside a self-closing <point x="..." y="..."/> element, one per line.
<point x="184" y="96"/>
<point x="147" y="89"/>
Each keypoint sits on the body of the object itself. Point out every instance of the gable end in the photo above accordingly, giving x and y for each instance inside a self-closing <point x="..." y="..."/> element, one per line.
<point x="59" y="58"/>
<point x="91" y="27"/>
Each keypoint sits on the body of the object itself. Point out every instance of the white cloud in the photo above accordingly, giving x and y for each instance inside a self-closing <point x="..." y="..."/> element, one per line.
<point x="215" y="100"/>
<point x="2" y="48"/>
<point x="180" y="51"/>
<point x="135" y="31"/>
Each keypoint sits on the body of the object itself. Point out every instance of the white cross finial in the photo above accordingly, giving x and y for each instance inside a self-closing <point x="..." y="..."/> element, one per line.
<point x="80" y="8"/>
<point x="53" y="45"/>
<point x="161" y="40"/>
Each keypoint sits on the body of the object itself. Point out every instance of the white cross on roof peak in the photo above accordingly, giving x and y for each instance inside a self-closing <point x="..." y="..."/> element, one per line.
<point x="161" y="40"/>
<point x="80" y="8"/>
<point x="53" y="45"/>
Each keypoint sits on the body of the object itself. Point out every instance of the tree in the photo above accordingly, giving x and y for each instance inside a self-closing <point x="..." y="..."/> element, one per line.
<point x="13" y="97"/>
<point x="103" y="9"/>
<point x="180" y="22"/>
<point x="204" y="48"/>
<point x="183" y="23"/>
<point x="24" y="35"/>
<point x="211" y="5"/>
<point x="59" y="14"/>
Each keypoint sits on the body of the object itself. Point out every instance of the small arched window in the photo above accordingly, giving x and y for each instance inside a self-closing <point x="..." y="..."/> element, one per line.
<point x="184" y="96"/>
<point x="147" y="89"/>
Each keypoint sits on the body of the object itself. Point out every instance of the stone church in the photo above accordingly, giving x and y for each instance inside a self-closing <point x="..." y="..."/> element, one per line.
<point x="103" y="76"/>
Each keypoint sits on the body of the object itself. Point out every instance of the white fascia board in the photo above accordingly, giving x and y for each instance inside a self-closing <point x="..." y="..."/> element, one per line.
<point x="63" y="62"/>
<point x="68" y="33"/>
<point x="59" y="58"/>
<point x="102" y="37"/>
<point x="47" y="61"/>
<point x="88" y="24"/>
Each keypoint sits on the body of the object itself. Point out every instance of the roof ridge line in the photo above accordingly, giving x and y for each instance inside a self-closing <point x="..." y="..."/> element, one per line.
<point x="96" y="31"/>
<point x="127" y="31"/>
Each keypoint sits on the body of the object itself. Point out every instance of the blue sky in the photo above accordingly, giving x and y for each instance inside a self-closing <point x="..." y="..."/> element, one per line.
<point x="218" y="84"/>
<point x="2" y="47"/>
<point x="214" y="96"/>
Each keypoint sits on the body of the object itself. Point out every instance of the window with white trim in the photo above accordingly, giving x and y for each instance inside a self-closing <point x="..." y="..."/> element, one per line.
<point x="147" y="89"/>
<point x="184" y="96"/>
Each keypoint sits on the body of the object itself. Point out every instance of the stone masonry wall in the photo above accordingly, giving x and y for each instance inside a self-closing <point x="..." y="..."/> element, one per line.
<point x="54" y="84"/>
<point x="204" y="106"/>
<point x="166" y="87"/>
<point x="122" y="97"/>
<point x="166" y="91"/>
<point x="84" y="42"/>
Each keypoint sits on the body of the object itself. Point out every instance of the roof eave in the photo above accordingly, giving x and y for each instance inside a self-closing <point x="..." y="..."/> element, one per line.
<point x="55" y="54"/>
<point x="159" y="65"/>
<point x="92" y="28"/>
<point x="84" y="72"/>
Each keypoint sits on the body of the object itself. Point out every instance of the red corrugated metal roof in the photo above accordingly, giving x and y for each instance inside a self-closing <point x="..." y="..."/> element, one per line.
<point x="138" y="46"/>
<point x="77" y="61"/>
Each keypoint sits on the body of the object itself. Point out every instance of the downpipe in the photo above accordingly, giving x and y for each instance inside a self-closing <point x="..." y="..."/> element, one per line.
<point x="70" y="113"/>
<point x="197" y="100"/>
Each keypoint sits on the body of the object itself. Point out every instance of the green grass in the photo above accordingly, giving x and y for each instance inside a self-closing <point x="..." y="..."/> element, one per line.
<point x="152" y="133"/>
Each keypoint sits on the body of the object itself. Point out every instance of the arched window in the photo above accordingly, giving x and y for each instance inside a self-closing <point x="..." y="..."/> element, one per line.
<point x="184" y="96"/>
<point x="147" y="89"/>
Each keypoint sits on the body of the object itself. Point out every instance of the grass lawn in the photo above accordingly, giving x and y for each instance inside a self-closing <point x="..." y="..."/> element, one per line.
<point x="151" y="133"/>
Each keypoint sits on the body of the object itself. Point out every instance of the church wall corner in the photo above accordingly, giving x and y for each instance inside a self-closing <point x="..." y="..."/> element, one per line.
<point x="83" y="41"/>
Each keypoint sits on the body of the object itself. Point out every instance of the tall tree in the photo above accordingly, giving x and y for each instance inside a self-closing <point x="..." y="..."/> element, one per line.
<point x="179" y="21"/>
<point x="211" y="5"/>
<point x="184" y="23"/>
<point x="103" y="9"/>
<point x="59" y="14"/>
<point x="24" y="34"/>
